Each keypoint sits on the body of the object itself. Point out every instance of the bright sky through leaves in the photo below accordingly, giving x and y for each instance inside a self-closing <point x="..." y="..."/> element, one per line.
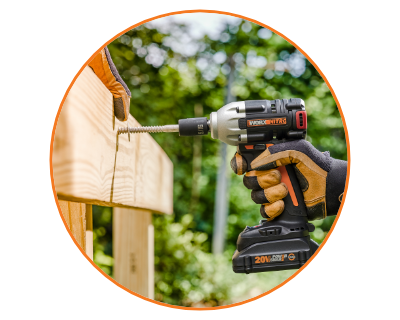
<point x="200" y="24"/>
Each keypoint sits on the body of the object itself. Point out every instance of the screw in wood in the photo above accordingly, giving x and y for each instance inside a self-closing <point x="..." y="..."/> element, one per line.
<point x="166" y="128"/>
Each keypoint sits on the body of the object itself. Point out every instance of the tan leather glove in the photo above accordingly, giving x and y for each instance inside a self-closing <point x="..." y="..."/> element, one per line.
<point x="321" y="178"/>
<point x="267" y="190"/>
<point x="104" y="68"/>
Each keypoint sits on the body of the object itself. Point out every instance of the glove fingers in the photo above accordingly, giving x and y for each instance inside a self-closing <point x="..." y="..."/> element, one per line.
<point x="104" y="68"/>
<point x="238" y="164"/>
<point x="270" y="211"/>
<point x="270" y="195"/>
<point x="262" y="179"/>
<point x="119" y="89"/>
<point x="120" y="109"/>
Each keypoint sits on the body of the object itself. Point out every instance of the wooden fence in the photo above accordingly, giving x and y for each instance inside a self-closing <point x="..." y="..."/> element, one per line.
<point x="92" y="165"/>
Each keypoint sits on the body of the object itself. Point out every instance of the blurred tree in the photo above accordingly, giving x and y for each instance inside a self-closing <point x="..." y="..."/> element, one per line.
<point x="172" y="76"/>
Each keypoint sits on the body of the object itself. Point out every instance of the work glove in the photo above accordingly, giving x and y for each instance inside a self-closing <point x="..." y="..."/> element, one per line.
<point x="321" y="178"/>
<point x="104" y="68"/>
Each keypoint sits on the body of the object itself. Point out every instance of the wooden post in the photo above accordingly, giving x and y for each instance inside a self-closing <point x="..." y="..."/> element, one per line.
<point x="133" y="247"/>
<point x="79" y="220"/>
<point x="74" y="215"/>
<point x="89" y="231"/>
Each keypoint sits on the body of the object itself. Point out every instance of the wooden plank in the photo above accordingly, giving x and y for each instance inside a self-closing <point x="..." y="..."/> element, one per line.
<point x="86" y="164"/>
<point x="133" y="250"/>
<point x="74" y="215"/>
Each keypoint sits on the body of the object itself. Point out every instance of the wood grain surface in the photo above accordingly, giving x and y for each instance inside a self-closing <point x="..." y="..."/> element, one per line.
<point x="88" y="168"/>
<point x="133" y="250"/>
<point x="75" y="215"/>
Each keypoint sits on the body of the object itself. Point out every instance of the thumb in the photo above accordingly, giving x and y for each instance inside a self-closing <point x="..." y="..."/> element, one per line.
<point x="282" y="154"/>
<point x="267" y="161"/>
<point x="238" y="164"/>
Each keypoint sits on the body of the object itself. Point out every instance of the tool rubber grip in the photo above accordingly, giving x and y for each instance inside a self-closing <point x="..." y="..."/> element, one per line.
<point x="294" y="201"/>
<point x="286" y="180"/>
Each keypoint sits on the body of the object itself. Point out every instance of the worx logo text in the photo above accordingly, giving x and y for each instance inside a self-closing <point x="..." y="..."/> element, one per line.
<point x="266" y="122"/>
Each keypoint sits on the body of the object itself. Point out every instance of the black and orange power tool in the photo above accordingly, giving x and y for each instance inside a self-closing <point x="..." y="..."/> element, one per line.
<point x="283" y="243"/>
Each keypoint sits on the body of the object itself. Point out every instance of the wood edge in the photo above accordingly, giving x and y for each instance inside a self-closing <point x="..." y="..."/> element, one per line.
<point x="64" y="197"/>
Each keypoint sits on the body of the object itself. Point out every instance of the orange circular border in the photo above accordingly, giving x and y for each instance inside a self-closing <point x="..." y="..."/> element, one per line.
<point x="344" y="126"/>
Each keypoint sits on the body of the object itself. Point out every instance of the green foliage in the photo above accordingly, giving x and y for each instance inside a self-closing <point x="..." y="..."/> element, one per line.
<point x="173" y="76"/>
<point x="102" y="238"/>
<point x="188" y="275"/>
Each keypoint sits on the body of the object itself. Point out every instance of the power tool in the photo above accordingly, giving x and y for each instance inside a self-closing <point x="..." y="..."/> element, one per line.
<point x="283" y="243"/>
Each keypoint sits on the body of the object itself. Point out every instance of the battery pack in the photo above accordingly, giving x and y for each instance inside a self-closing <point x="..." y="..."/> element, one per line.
<point x="274" y="255"/>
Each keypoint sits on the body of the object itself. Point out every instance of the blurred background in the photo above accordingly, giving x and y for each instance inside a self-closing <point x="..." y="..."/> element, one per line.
<point x="187" y="66"/>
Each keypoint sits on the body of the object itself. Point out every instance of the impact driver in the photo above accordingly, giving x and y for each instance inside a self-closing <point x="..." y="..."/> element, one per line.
<point x="284" y="242"/>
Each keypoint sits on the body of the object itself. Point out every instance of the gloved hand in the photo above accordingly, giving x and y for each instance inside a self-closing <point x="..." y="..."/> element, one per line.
<point x="321" y="178"/>
<point x="104" y="68"/>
